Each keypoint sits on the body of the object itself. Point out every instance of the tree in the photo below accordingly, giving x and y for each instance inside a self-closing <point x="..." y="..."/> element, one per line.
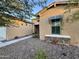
<point x="18" y="8"/>
<point x="5" y="19"/>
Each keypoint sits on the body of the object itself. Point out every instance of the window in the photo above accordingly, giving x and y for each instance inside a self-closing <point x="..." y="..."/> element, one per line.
<point x="56" y="23"/>
<point x="55" y="29"/>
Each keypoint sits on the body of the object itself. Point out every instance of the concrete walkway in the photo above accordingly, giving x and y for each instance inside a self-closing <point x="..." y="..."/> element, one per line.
<point x="3" y="44"/>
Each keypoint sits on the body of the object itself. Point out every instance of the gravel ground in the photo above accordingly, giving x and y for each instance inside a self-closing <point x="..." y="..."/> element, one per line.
<point x="22" y="50"/>
<point x="26" y="49"/>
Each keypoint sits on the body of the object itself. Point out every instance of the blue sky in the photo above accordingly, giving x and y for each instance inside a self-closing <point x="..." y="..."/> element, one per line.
<point x="37" y="8"/>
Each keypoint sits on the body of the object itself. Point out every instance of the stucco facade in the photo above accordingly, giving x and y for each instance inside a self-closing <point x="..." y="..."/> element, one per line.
<point x="11" y="32"/>
<point x="22" y="29"/>
<point x="67" y="28"/>
<point x="16" y="28"/>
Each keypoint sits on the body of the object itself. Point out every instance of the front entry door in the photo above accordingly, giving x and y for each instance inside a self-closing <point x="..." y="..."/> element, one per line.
<point x="37" y="31"/>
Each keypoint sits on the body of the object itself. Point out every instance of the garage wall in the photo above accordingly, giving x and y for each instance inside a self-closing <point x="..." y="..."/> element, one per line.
<point x="19" y="31"/>
<point x="2" y="33"/>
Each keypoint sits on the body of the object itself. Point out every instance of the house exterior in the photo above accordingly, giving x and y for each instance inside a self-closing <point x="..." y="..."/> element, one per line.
<point x="53" y="20"/>
<point x="17" y="28"/>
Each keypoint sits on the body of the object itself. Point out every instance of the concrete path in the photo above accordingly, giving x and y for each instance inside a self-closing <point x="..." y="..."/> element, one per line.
<point x="3" y="44"/>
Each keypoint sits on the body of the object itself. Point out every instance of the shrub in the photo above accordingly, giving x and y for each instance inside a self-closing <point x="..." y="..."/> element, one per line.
<point x="40" y="54"/>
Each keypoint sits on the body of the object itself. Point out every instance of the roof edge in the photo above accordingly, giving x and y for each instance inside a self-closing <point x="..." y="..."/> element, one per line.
<point x="59" y="2"/>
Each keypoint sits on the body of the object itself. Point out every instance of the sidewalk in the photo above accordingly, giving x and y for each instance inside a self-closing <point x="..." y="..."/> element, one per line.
<point x="3" y="44"/>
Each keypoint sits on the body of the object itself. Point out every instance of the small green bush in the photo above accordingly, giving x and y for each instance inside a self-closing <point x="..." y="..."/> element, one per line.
<point x="40" y="54"/>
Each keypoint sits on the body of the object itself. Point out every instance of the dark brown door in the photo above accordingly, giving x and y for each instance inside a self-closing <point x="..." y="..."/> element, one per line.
<point x="37" y="31"/>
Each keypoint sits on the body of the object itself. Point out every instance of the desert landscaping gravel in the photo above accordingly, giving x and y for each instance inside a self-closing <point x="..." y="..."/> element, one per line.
<point x="26" y="49"/>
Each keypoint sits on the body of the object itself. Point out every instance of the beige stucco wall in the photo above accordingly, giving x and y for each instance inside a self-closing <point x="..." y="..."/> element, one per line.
<point x="69" y="28"/>
<point x="19" y="31"/>
<point x="72" y="29"/>
<point x="45" y="27"/>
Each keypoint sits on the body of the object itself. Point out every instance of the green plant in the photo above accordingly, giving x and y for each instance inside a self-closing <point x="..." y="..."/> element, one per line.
<point x="40" y="54"/>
